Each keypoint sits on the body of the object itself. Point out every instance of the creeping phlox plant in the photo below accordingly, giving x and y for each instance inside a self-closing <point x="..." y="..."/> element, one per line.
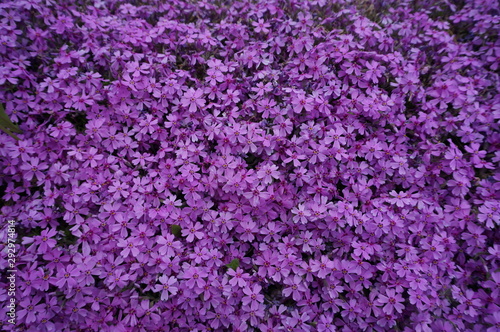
<point x="251" y="165"/>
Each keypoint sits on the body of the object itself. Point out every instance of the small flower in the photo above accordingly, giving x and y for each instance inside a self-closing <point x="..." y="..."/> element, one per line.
<point x="44" y="240"/>
<point x="301" y="214"/>
<point x="31" y="309"/>
<point x="392" y="301"/>
<point x="252" y="295"/>
<point x="238" y="277"/>
<point x="295" y="287"/>
<point x="261" y="26"/>
<point x="194" y="277"/>
<point x="167" y="287"/>
<point x="66" y="276"/>
<point x="34" y="168"/>
<point x="192" y="232"/>
<point x="193" y="99"/>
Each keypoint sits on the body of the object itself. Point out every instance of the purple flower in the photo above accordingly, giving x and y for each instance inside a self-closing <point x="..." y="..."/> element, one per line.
<point x="67" y="276"/>
<point x="44" y="240"/>
<point x="31" y="308"/>
<point x="253" y="295"/>
<point x="194" y="277"/>
<point x="130" y="246"/>
<point x="193" y="231"/>
<point x="168" y="245"/>
<point x="247" y="228"/>
<point x="118" y="279"/>
<point x="322" y="267"/>
<point x="341" y="160"/>
<point x="238" y="277"/>
<point x="167" y="287"/>
<point x="301" y="214"/>
<point x="391" y="301"/>
<point x="295" y="287"/>
<point x="193" y="99"/>
<point x="34" y="168"/>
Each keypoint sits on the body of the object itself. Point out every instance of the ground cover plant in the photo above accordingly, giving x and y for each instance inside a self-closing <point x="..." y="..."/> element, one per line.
<point x="250" y="165"/>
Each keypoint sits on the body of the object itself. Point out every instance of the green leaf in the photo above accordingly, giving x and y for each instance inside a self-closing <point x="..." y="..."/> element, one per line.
<point x="7" y="131"/>
<point x="7" y="126"/>
<point x="176" y="230"/>
<point x="235" y="263"/>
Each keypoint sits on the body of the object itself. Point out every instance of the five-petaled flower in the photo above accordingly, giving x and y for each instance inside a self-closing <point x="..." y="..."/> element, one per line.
<point x="192" y="99"/>
<point x="391" y="301"/>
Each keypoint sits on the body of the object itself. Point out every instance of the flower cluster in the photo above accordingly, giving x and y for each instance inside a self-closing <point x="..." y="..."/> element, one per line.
<point x="252" y="165"/>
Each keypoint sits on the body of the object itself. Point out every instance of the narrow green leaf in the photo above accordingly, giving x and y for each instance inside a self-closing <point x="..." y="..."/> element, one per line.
<point x="5" y="121"/>
<point x="7" y="126"/>
<point x="235" y="263"/>
<point x="176" y="230"/>
<point x="7" y="131"/>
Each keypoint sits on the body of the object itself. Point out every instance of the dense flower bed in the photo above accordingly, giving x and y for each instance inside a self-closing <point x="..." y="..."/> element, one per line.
<point x="252" y="165"/>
